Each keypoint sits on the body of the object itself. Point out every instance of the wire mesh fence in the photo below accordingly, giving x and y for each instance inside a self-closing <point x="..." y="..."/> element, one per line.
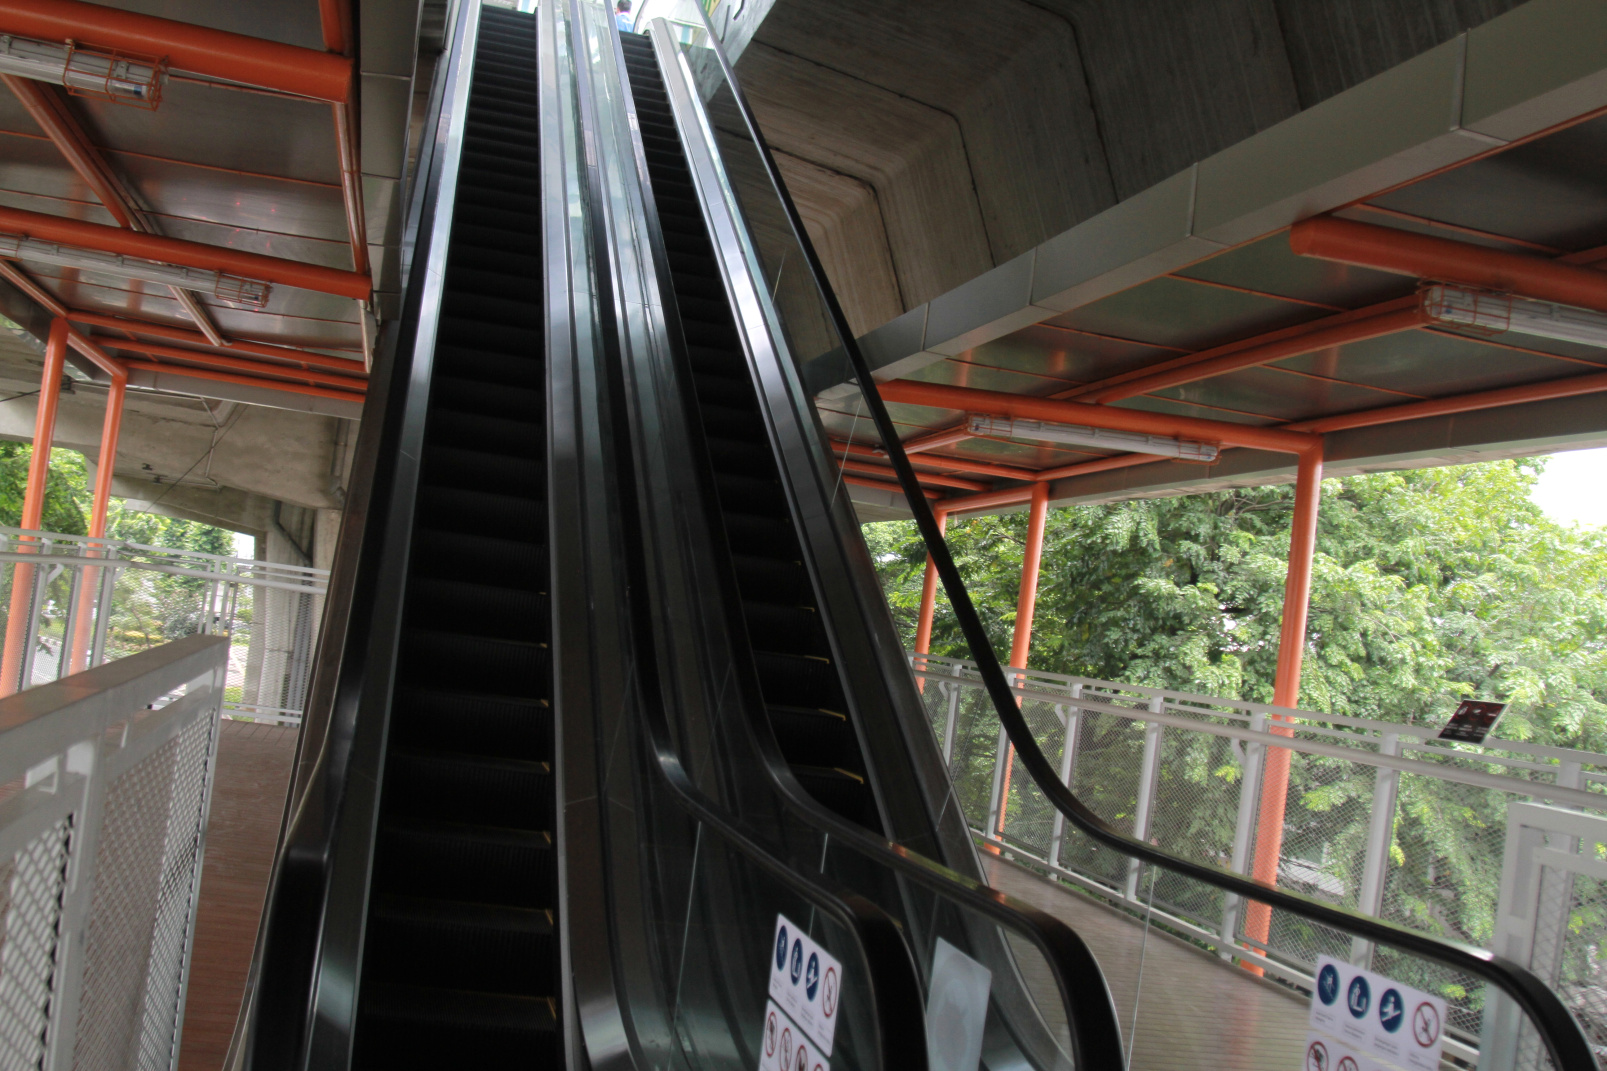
<point x="71" y="602"/>
<point x="1377" y="817"/>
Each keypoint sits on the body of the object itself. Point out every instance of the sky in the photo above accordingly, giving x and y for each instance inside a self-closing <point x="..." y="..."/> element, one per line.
<point x="1574" y="487"/>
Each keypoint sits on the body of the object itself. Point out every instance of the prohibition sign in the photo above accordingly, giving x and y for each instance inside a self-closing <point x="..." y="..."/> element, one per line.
<point x="1348" y="1063"/>
<point x="1317" y="1057"/>
<point x="1425" y="1025"/>
<point x="803" y="1060"/>
<point x="770" y="1035"/>
<point x="786" y="1043"/>
<point x="828" y="998"/>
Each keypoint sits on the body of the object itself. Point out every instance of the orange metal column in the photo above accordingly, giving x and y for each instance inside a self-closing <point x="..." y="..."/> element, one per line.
<point x="1026" y="607"/>
<point x="110" y="429"/>
<point x="33" y="505"/>
<point x="1286" y="686"/>
<point x="923" y="622"/>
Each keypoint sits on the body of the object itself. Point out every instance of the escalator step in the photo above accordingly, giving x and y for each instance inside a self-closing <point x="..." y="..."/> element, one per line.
<point x="473" y="863"/>
<point x="499" y="435"/>
<point x="480" y="609"/>
<point x="456" y="945"/>
<point x="811" y="736"/>
<point x="436" y="657"/>
<point x="474" y="724"/>
<point x="455" y="555"/>
<point x="472" y="789"/>
<point x="453" y="509"/>
<point x="481" y="470"/>
<point x="413" y="1027"/>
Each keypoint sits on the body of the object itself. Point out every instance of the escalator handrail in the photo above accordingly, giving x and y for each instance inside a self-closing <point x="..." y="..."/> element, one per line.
<point x="1088" y="1004"/>
<point x="316" y="901"/>
<point x="1564" y="1038"/>
<point x="899" y="1012"/>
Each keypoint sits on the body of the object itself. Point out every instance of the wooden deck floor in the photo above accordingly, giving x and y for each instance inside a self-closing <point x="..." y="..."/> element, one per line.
<point x="1194" y="1010"/>
<point x="248" y="800"/>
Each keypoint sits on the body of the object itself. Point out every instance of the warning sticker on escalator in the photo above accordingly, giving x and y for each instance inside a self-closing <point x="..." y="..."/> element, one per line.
<point x="806" y="982"/>
<point x="785" y="1047"/>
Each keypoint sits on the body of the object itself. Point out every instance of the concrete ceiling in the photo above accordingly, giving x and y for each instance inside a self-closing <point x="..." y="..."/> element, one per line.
<point x="927" y="141"/>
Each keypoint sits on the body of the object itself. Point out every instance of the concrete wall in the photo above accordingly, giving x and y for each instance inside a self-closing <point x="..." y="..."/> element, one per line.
<point x="927" y="141"/>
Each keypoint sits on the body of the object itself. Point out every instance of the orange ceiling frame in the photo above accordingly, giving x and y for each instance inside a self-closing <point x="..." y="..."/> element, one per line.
<point x="224" y="363"/>
<point x="301" y="358"/>
<point x="98" y="236"/>
<point x="236" y="57"/>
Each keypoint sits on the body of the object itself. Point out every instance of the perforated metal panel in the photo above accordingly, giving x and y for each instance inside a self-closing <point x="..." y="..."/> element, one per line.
<point x="31" y="885"/>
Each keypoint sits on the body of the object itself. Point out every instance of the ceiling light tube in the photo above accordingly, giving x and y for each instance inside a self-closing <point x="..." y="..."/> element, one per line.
<point x="90" y="71"/>
<point x="1484" y="311"/>
<point x="1099" y="438"/>
<point x="222" y="285"/>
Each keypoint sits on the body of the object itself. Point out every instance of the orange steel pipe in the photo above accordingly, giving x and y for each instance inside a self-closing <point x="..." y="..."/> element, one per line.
<point x="1104" y="464"/>
<point x="925" y="477"/>
<point x="882" y="485"/>
<point x="1282" y="334"/>
<point x="943" y="461"/>
<point x="351" y="185"/>
<point x="14" y="657"/>
<point x="1026" y="607"/>
<point x="179" y="334"/>
<point x="1449" y="261"/>
<point x="923" y="620"/>
<point x="935" y="439"/>
<point x="236" y="364"/>
<point x="1286" y="687"/>
<point x="999" y="403"/>
<point x="45" y="110"/>
<point x="24" y="282"/>
<point x="1593" y="383"/>
<point x="1389" y="323"/>
<point x="77" y="653"/>
<point x="187" y="47"/>
<point x="249" y="381"/>
<point x="48" y="228"/>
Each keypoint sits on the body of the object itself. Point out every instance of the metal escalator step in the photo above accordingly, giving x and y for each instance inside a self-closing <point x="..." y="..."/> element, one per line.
<point x="439" y="656"/>
<point x="761" y="536"/>
<point x="471" y="193"/>
<point x="772" y="579"/>
<point x="466" y="429"/>
<point x="448" y="943"/>
<point x="729" y="422"/>
<point x="456" y="509"/>
<point x="523" y="312"/>
<point x="435" y="717"/>
<point x="755" y="495"/>
<point x="480" y="470"/>
<point x="461" y="279"/>
<point x="456" y="331"/>
<point x="403" y="1028"/>
<point x="726" y="388"/>
<point x="454" y="861"/>
<point x="486" y="609"/>
<point x="457" y="555"/>
<point x="739" y="458"/>
<point x="843" y="791"/>
<point x="797" y="680"/>
<point x="493" y="383"/>
<point x="473" y="789"/>
<point x="526" y="265"/>
<point x="512" y="220"/>
<point x="782" y="628"/>
<point x="813" y="736"/>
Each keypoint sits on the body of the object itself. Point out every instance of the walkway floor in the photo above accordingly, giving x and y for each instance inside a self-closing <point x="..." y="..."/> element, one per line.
<point x="248" y="801"/>
<point x="1194" y="1010"/>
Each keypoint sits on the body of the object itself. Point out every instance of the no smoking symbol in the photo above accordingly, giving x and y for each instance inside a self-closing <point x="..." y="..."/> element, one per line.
<point x="1348" y="1063"/>
<point x="770" y="1035"/>
<point x="1317" y="1057"/>
<point x="828" y="996"/>
<point x="1425" y="1025"/>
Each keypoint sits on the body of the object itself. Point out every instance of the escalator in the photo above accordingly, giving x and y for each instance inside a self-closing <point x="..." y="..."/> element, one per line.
<point x="461" y="962"/>
<point x="801" y="687"/>
<point x="596" y="710"/>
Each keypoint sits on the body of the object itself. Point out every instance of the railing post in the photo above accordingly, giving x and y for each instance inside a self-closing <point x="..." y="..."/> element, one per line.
<point x="1068" y="763"/>
<point x="1380" y="835"/>
<point x="1149" y="777"/>
<point x="1243" y="832"/>
<point x="953" y="691"/>
<point x="69" y="627"/>
<point x="103" y="608"/>
<point x="996" y="797"/>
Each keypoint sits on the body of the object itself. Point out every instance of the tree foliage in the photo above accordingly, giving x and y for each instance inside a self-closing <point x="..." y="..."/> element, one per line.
<point x="1428" y="586"/>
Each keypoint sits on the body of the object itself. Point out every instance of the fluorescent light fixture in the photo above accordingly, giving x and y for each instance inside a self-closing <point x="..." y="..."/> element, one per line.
<point x="1100" y="438"/>
<point x="90" y="71"/>
<point x="222" y="285"/>
<point x="1500" y="313"/>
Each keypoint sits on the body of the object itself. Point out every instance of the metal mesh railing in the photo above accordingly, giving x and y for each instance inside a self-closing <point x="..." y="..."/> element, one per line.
<point x="71" y="602"/>
<point x="1379" y="818"/>
<point x="108" y="781"/>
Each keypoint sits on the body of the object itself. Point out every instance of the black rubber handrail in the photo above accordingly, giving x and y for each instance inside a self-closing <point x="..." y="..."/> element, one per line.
<point x="1564" y="1038"/>
<point x="1096" y="1036"/>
